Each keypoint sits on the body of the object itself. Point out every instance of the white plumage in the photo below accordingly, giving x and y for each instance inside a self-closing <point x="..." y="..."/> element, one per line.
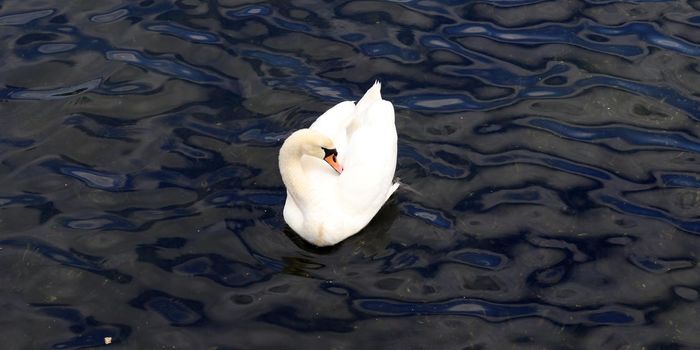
<point x="325" y="207"/>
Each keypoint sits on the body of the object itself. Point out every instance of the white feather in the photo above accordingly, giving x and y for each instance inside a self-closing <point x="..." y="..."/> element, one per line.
<point x="329" y="207"/>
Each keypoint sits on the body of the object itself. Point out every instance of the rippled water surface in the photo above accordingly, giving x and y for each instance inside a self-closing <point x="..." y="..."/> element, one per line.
<point x="549" y="151"/>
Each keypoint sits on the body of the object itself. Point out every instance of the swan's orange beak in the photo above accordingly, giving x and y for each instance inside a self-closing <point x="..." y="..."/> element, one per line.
<point x="331" y="158"/>
<point x="333" y="161"/>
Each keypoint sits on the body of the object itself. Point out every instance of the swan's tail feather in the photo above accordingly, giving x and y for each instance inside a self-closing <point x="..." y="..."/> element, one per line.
<point x="370" y="98"/>
<point x="392" y="189"/>
<point x="372" y="95"/>
<point x="407" y="187"/>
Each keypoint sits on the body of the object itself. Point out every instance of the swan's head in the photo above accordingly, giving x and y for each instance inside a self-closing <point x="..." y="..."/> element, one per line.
<point x="315" y="144"/>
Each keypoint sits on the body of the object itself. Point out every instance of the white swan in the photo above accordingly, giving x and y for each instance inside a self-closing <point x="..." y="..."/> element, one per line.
<point x="340" y="171"/>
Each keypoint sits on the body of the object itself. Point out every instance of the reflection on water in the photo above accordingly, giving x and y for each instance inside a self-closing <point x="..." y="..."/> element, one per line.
<point x="548" y="150"/>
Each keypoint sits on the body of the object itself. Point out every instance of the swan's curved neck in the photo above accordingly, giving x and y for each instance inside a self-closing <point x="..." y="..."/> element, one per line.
<point x="292" y="171"/>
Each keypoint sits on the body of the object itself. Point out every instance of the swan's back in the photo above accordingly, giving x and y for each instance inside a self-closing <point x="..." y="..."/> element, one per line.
<point x="370" y="160"/>
<point x="339" y="206"/>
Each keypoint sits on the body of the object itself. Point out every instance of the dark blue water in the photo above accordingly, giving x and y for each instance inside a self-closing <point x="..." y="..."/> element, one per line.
<point x="549" y="150"/>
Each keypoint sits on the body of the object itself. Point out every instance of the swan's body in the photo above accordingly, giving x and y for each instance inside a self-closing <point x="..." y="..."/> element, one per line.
<point x="323" y="206"/>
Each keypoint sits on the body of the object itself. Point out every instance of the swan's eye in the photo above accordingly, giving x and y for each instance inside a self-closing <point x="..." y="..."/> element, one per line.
<point x="329" y="152"/>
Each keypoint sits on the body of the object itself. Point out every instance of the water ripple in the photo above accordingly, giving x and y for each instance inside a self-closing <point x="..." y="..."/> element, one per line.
<point x="541" y="35"/>
<point x="215" y="267"/>
<point x="253" y="10"/>
<point x="502" y="312"/>
<point x="95" y="179"/>
<point x="656" y="265"/>
<point x="179" y="312"/>
<point x="166" y="66"/>
<point x="548" y="160"/>
<point x="51" y="94"/>
<point x="91" y="333"/>
<point x="184" y="33"/>
<point x="692" y="226"/>
<point x="24" y="18"/>
<point x="632" y="136"/>
<point x="110" y="16"/>
<point x="70" y="258"/>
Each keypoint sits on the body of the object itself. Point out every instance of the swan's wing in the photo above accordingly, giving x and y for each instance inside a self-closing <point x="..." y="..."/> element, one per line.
<point x="367" y="179"/>
<point x="342" y="120"/>
<point x="292" y="213"/>
<point x="334" y="123"/>
<point x="372" y="96"/>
